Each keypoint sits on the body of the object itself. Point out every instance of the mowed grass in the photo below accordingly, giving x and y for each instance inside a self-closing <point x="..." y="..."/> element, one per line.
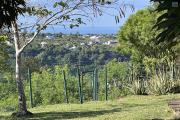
<point x="125" y="108"/>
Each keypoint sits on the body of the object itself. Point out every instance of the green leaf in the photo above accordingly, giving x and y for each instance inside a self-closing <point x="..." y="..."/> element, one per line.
<point x="162" y="17"/>
<point x="63" y="4"/>
<point x="55" y="4"/>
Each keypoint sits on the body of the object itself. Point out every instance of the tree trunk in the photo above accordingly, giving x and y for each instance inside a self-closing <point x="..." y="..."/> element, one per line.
<point x="21" y="95"/>
<point x="22" y="109"/>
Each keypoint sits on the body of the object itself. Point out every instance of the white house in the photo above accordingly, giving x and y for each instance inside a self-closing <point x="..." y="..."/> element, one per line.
<point x="111" y="42"/>
<point x="43" y="44"/>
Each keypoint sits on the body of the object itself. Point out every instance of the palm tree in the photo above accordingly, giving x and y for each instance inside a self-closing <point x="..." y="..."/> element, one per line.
<point x="168" y="22"/>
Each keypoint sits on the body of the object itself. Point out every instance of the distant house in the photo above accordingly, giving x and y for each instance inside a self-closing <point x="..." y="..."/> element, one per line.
<point x="49" y="37"/>
<point x="85" y="36"/>
<point x="90" y="43"/>
<point x="111" y="42"/>
<point x="82" y="44"/>
<point x="43" y="44"/>
<point x="73" y="47"/>
<point x="94" y="38"/>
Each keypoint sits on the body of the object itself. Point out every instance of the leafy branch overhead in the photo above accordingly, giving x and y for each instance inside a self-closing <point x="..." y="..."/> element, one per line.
<point x="168" y="22"/>
<point x="84" y="8"/>
<point x="9" y="10"/>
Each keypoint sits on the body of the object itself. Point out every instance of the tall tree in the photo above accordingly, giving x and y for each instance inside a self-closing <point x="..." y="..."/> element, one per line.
<point x="136" y="36"/>
<point x="138" y="39"/>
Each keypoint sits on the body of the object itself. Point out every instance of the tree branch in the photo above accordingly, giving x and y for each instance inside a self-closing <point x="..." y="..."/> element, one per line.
<point x="16" y="36"/>
<point x="26" y="44"/>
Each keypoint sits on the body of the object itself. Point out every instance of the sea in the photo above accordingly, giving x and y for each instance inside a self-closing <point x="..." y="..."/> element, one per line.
<point x="84" y="30"/>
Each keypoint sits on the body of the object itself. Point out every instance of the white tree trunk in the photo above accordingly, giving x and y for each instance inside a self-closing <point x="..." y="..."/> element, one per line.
<point x="21" y="95"/>
<point x="22" y="109"/>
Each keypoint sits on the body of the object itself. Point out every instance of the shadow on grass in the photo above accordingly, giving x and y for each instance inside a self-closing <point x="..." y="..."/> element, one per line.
<point x="63" y="115"/>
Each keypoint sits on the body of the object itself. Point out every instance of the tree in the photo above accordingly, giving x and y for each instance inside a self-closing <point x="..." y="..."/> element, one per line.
<point x="136" y="36"/>
<point x="168" y="22"/>
<point x="138" y="39"/>
<point x="62" y="13"/>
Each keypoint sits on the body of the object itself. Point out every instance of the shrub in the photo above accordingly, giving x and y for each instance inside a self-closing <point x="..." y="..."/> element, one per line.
<point x="9" y="104"/>
<point x="138" y="87"/>
<point x="114" y="93"/>
<point x="160" y="84"/>
<point x="176" y="87"/>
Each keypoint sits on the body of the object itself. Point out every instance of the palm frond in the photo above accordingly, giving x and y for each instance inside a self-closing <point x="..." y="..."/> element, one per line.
<point x="168" y="22"/>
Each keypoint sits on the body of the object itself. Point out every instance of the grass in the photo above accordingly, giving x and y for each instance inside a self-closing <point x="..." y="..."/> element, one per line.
<point x="127" y="108"/>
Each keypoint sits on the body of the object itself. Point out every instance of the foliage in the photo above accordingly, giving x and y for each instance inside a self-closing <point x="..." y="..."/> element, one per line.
<point x="159" y="86"/>
<point x="118" y="73"/>
<point x="47" y="86"/>
<point x="136" y="37"/>
<point x="168" y="22"/>
<point x="9" y="10"/>
<point x="4" y="56"/>
<point x="7" y="86"/>
<point x="68" y="50"/>
<point x="7" y="92"/>
<point x="161" y="83"/>
<point x="138" y="87"/>
<point x="9" y="104"/>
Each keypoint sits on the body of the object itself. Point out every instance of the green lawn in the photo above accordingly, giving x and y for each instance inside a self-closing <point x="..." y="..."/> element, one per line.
<point x="127" y="108"/>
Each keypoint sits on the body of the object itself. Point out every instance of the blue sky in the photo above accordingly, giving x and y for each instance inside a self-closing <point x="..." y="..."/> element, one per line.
<point x="109" y="21"/>
<point x="104" y="24"/>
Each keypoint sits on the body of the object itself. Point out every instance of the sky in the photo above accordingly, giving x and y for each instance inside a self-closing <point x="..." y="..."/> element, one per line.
<point x="103" y="24"/>
<point x="109" y="21"/>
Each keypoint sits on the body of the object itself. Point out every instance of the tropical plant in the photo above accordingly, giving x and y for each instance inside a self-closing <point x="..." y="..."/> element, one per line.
<point x="160" y="84"/>
<point x="168" y="22"/>
<point x="138" y="87"/>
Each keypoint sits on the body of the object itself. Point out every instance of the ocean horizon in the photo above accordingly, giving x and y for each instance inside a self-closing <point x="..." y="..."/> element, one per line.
<point x="84" y="30"/>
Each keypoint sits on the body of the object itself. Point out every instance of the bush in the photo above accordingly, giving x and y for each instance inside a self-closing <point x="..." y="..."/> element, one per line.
<point x="138" y="87"/>
<point x="9" y="104"/>
<point x="114" y="93"/>
<point x="176" y="87"/>
<point x="160" y="84"/>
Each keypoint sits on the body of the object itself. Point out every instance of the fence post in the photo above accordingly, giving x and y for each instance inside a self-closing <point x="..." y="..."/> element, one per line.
<point x="106" y="88"/>
<point x="94" y="85"/>
<point x="79" y="85"/>
<point x="82" y="79"/>
<point x="132" y="74"/>
<point x="65" y="87"/>
<point x="30" y="88"/>
<point x="97" y="85"/>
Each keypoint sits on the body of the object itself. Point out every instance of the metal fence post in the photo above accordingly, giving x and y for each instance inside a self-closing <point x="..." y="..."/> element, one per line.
<point x="65" y="87"/>
<point x="30" y="88"/>
<point x="106" y="87"/>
